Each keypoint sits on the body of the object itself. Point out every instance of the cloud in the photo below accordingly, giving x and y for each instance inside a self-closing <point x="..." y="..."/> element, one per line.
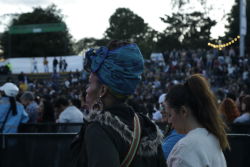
<point x="25" y="2"/>
<point x="34" y="3"/>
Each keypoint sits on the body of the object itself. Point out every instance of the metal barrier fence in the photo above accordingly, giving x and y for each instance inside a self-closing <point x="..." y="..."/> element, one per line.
<point x="35" y="149"/>
<point x="49" y="127"/>
<point x="237" y="128"/>
<point x="239" y="155"/>
<point x="53" y="149"/>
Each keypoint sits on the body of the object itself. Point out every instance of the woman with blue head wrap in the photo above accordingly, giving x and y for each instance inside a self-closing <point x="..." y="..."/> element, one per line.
<point x="113" y="135"/>
<point x="118" y="68"/>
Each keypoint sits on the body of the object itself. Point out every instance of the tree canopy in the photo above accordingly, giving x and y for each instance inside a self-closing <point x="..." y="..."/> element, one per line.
<point x="38" y="44"/>
<point x="126" y="25"/>
<point x="191" y="29"/>
<point x="184" y="29"/>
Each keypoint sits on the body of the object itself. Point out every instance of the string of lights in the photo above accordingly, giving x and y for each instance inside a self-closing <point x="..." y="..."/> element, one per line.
<point x="224" y="45"/>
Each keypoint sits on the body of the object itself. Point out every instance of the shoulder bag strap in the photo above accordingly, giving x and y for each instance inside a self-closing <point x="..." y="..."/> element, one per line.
<point x="135" y="142"/>
<point x="1" y="130"/>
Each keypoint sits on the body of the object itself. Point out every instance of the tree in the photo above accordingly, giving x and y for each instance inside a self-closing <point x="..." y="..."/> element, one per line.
<point x="167" y="42"/>
<point x="84" y="45"/>
<point x="208" y="9"/>
<point x="233" y="28"/>
<point x="149" y="42"/>
<point x="38" y="44"/>
<point x="126" y="25"/>
<point x="191" y="29"/>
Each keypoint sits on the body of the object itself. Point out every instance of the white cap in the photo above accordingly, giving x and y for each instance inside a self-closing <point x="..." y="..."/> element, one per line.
<point x="175" y="82"/>
<point x="161" y="98"/>
<point x="10" y="89"/>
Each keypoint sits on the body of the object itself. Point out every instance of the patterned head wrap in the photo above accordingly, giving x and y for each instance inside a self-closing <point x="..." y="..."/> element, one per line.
<point x="119" y="69"/>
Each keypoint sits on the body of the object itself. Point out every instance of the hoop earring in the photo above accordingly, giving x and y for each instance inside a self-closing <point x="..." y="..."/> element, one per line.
<point x="97" y="105"/>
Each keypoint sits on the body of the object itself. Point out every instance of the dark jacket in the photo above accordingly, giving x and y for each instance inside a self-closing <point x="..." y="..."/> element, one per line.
<point x="20" y="77"/>
<point x="55" y="62"/>
<point x="105" y="139"/>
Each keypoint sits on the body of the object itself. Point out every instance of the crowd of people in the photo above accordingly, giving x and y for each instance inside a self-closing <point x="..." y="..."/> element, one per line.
<point x="171" y="89"/>
<point x="51" y="101"/>
<point x="225" y="70"/>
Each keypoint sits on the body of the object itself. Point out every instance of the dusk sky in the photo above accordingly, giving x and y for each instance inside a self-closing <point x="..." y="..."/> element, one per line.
<point x="91" y="18"/>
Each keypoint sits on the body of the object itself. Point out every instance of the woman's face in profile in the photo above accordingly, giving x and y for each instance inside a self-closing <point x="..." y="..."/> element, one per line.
<point x="175" y="119"/>
<point x="93" y="91"/>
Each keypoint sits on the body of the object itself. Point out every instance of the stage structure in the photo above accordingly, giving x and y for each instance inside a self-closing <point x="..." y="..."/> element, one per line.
<point x="37" y="28"/>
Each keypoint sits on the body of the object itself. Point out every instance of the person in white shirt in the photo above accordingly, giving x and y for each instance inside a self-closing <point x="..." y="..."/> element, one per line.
<point x="157" y="114"/>
<point x="230" y="69"/>
<point x="66" y="82"/>
<point x="74" y="80"/>
<point x="193" y="111"/>
<point x="160" y="56"/>
<point x="245" y="76"/>
<point x="154" y="57"/>
<point x="34" y="65"/>
<point x="68" y="114"/>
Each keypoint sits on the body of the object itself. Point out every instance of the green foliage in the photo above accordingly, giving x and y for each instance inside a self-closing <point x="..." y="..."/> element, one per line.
<point x="84" y="44"/>
<point x="183" y="30"/>
<point x="167" y="42"/>
<point x="233" y="29"/>
<point x="126" y="25"/>
<point x="39" y="44"/>
<point x="149" y="42"/>
<point x="191" y="29"/>
<point x="102" y="42"/>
